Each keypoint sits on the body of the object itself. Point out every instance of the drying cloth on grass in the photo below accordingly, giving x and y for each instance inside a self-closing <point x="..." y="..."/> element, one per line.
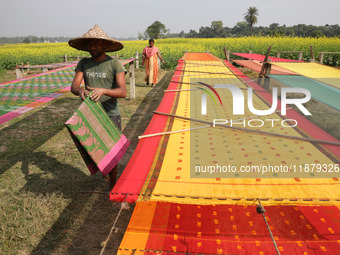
<point x="98" y="139"/>
<point x="20" y="96"/>
<point x="320" y="91"/>
<point x="260" y="57"/>
<point x="325" y="74"/>
<point x="178" y="212"/>
<point x="162" y="228"/>
<point x="173" y="178"/>
<point x="166" y="169"/>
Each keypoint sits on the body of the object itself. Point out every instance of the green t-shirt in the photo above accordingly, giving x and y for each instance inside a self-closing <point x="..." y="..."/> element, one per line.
<point x="102" y="75"/>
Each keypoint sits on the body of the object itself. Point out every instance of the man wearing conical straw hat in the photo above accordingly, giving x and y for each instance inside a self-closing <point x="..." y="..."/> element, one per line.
<point x="103" y="75"/>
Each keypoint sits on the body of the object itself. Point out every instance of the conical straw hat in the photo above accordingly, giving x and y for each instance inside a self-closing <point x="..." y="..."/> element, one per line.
<point x="82" y="42"/>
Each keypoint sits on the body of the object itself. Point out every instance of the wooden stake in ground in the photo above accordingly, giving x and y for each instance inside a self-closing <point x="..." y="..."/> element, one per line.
<point x="265" y="69"/>
<point x="312" y="54"/>
<point x="132" y="80"/>
<point x="226" y="53"/>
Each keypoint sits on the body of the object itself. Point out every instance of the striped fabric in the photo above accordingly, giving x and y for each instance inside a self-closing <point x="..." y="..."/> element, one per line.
<point x="97" y="138"/>
<point x="320" y="91"/>
<point x="182" y="212"/>
<point x="20" y="96"/>
<point x="160" y="168"/>
<point x="322" y="73"/>
<point x="170" y="228"/>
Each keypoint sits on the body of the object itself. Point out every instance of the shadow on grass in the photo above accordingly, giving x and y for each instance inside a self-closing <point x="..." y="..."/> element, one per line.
<point x="20" y="143"/>
<point x="100" y="214"/>
<point x="21" y="139"/>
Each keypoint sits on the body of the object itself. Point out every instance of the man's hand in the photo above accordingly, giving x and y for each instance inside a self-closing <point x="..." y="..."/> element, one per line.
<point x="83" y="93"/>
<point x="96" y="93"/>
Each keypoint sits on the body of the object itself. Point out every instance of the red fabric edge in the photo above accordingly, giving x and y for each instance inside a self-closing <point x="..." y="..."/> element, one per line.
<point x="134" y="175"/>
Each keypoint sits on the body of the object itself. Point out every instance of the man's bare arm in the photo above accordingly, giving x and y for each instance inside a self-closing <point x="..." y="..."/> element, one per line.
<point x="75" y="87"/>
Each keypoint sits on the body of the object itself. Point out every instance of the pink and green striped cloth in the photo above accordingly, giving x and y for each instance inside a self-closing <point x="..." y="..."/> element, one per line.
<point x="98" y="139"/>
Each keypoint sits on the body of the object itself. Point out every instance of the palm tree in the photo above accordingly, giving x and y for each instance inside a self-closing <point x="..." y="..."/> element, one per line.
<point x="251" y="17"/>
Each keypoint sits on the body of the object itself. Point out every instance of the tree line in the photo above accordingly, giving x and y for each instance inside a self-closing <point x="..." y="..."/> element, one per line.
<point x="33" y="39"/>
<point x="243" y="28"/>
<point x="217" y="30"/>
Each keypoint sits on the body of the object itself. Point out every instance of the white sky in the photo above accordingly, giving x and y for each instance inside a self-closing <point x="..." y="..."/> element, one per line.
<point x="126" y="18"/>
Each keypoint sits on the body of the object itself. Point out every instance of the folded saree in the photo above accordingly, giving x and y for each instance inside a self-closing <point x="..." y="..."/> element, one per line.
<point x="99" y="141"/>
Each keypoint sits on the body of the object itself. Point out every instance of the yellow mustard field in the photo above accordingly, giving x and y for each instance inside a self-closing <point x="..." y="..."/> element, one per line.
<point x="172" y="49"/>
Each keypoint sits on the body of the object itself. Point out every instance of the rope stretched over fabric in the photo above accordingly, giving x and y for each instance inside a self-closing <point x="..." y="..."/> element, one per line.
<point x="122" y="206"/>
<point x="187" y="71"/>
<point x="261" y="210"/>
<point x="251" y="130"/>
<point x="239" y="83"/>
<point x="191" y="129"/>
<point x="197" y="83"/>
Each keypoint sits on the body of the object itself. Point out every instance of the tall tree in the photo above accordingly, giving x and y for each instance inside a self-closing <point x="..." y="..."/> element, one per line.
<point x="217" y="27"/>
<point x="156" y="30"/>
<point x="26" y="40"/>
<point x="251" y="17"/>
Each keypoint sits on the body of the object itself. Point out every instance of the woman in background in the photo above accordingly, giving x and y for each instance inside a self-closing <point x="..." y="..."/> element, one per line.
<point x="150" y="58"/>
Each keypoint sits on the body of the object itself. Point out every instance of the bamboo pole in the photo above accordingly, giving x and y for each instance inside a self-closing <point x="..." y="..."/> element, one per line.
<point x="203" y="66"/>
<point x="195" y="128"/>
<point x="306" y="139"/>
<point x="195" y="83"/>
<point x="172" y="132"/>
<point x="322" y="55"/>
<point x="265" y="64"/>
<point x="188" y="75"/>
<point x="197" y="64"/>
<point x="312" y="54"/>
<point x="226" y="54"/>
<point x="132" y="80"/>
<point x="209" y="72"/>
<point x="137" y="60"/>
<point x="178" y="90"/>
